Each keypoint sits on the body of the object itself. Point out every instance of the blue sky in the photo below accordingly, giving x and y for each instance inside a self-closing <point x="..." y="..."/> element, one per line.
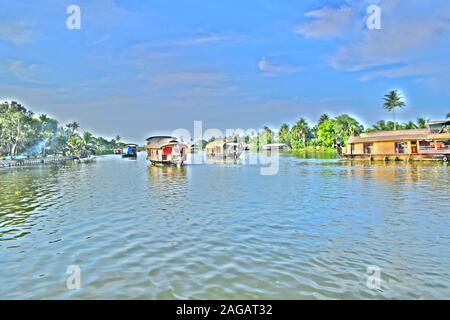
<point x="142" y="67"/>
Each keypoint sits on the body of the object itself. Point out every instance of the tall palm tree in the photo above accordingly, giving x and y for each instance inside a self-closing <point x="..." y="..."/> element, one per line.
<point x="73" y="126"/>
<point x="421" y="123"/>
<point x="393" y="100"/>
<point x="283" y="133"/>
<point x="324" y="117"/>
<point x="448" y="115"/>
<point x="300" y="131"/>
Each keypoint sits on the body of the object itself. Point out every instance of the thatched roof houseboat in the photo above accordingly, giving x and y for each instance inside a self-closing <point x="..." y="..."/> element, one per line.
<point x="166" y="150"/>
<point x="224" y="149"/>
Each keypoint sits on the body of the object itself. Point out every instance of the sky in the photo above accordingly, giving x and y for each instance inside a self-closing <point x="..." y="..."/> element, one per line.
<point x="138" y="68"/>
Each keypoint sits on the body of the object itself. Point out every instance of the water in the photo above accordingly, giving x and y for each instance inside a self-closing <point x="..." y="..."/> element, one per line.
<point x="223" y="231"/>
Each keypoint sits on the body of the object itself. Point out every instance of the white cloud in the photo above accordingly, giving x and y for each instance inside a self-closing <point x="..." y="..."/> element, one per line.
<point x="326" y="22"/>
<point x="406" y="71"/>
<point x="397" y="42"/>
<point x="17" y="32"/>
<point x="20" y="70"/>
<point x="270" y="68"/>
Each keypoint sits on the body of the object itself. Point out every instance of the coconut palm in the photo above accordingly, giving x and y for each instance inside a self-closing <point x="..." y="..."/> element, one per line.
<point x="73" y="126"/>
<point x="421" y="123"/>
<point x="300" y="132"/>
<point x="393" y="100"/>
<point x="448" y="115"/>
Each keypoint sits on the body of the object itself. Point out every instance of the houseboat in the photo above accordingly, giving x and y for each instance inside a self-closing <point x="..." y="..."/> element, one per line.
<point x="118" y="151"/>
<point x="223" y="149"/>
<point x="432" y="143"/>
<point x="129" y="150"/>
<point x="166" y="150"/>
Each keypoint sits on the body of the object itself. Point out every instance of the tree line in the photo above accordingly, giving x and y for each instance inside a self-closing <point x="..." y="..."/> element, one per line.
<point x="24" y="133"/>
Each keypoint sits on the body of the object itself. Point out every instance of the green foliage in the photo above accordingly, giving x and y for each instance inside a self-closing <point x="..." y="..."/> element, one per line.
<point x="23" y="133"/>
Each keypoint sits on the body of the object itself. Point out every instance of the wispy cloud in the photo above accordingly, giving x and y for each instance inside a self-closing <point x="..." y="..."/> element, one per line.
<point x="17" y="32"/>
<point x="271" y="68"/>
<point x="326" y="22"/>
<point x="421" y="70"/>
<point x="21" y="70"/>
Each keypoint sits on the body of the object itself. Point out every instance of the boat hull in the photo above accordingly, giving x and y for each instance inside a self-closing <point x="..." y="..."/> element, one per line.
<point x="397" y="157"/>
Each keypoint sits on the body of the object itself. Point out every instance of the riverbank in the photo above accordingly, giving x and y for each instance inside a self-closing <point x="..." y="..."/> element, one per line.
<point x="42" y="161"/>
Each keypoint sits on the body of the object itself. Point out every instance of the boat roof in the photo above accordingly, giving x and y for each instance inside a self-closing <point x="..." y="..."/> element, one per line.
<point x="438" y="122"/>
<point x="399" y="135"/>
<point x="158" y="142"/>
<point x="130" y="145"/>
<point x="221" y="142"/>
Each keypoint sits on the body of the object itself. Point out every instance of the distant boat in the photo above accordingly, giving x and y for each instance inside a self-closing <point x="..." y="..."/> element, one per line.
<point x="118" y="151"/>
<point x="223" y="149"/>
<point x="166" y="150"/>
<point x="129" y="150"/>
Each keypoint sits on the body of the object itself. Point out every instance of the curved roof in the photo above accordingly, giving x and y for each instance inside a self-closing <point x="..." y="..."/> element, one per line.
<point x="157" y="142"/>
<point x="215" y="143"/>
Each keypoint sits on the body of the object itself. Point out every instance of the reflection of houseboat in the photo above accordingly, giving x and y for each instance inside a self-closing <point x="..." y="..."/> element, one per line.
<point x="432" y="143"/>
<point x="274" y="147"/>
<point x="166" y="150"/>
<point x="224" y="149"/>
<point x="129" y="150"/>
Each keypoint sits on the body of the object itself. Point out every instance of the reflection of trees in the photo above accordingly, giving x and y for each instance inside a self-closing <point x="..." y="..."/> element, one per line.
<point x="23" y="191"/>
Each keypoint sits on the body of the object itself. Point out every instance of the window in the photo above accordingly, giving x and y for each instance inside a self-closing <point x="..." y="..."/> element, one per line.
<point x="368" y="148"/>
<point x="400" y="147"/>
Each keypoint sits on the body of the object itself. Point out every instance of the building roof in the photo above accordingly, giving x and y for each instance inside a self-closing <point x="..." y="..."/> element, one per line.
<point x="438" y="123"/>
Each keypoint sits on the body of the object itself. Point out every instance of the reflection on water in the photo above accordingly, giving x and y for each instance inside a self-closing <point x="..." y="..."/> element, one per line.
<point x="222" y="230"/>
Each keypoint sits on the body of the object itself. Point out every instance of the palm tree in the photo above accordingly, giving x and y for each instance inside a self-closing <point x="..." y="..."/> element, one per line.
<point x="393" y="100"/>
<point x="448" y="115"/>
<point x="283" y="133"/>
<point x="323" y="118"/>
<point x="300" y="131"/>
<point x="73" y="126"/>
<point x="421" y="123"/>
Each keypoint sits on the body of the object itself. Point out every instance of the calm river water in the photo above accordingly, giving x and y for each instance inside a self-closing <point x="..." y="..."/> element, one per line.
<point x="223" y="231"/>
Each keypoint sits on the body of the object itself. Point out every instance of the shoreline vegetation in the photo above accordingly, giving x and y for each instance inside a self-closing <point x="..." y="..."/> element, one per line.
<point x="24" y="135"/>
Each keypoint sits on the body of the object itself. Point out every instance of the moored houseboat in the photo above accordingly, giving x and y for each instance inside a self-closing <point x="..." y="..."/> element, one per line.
<point x="223" y="149"/>
<point x="166" y="150"/>
<point x="432" y="143"/>
<point x="129" y="150"/>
